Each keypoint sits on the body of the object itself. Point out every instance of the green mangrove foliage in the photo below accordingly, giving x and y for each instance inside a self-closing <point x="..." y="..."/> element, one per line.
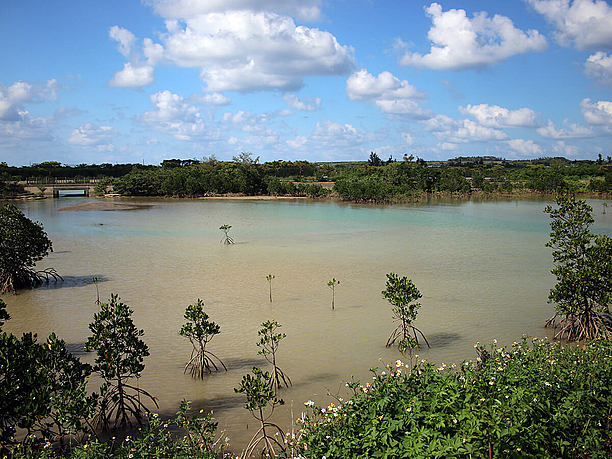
<point x="535" y="399"/>
<point x="227" y="239"/>
<point x="22" y="243"/>
<point x="42" y="389"/>
<point x="332" y="283"/>
<point x="120" y="355"/>
<point x="403" y="295"/>
<point x="261" y="402"/>
<point x="583" y="268"/>
<point x="269" y="341"/>
<point x="200" y="331"/>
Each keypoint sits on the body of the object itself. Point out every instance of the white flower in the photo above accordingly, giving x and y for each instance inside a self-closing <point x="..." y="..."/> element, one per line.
<point x="309" y="403"/>
<point x="399" y="363"/>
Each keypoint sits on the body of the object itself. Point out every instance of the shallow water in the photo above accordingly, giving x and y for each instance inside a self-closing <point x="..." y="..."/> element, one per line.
<point x="483" y="270"/>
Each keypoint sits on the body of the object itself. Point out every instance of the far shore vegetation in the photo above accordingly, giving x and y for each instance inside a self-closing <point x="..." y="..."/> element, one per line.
<point x="375" y="180"/>
<point x="534" y="398"/>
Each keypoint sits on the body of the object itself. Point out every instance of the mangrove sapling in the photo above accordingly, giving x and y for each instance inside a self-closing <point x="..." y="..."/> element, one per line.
<point x="261" y="402"/>
<point x="269" y="278"/>
<point x="268" y="345"/>
<point x="332" y="285"/>
<point x="583" y="267"/>
<point x="119" y="358"/>
<point x="402" y="294"/>
<point x="227" y="239"/>
<point x="199" y="330"/>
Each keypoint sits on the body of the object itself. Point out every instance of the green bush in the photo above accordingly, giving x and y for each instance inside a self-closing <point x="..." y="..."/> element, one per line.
<point x="535" y="399"/>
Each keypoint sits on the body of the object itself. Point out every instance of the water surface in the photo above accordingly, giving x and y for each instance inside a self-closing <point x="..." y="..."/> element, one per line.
<point x="483" y="270"/>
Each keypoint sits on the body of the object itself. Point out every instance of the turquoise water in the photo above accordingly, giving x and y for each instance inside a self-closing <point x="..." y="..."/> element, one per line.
<point x="482" y="267"/>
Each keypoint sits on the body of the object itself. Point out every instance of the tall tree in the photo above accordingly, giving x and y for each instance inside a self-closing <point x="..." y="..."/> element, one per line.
<point x="583" y="268"/>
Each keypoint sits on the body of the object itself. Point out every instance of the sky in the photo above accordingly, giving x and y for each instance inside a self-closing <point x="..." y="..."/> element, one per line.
<point x="129" y="81"/>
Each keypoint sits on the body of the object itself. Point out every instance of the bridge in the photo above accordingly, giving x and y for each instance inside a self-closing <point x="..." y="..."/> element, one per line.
<point x="60" y="187"/>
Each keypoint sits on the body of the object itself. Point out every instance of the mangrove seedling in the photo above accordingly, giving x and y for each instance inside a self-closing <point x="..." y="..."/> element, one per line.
<point x="402" y="294"/>
<point x="332" y="285"/>
<point x="583" y="268"/>
<point x="261" y="402"/>
<point x="95" y="281"/>
<point x="200" y="331"/>
<point x="227" y="239"/>
<point x="268" y="343"/>
<point x="119" y="358"/>
<point x="269" y="278"/>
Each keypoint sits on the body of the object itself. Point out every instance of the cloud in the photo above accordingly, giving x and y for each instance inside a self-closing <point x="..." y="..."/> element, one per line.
<point x="211" y="98"/>
<point x="525" y="147"/>
<point x="585" y="24"/>
<point x="573" y="131"/>
<point x="461" y="131"/>
<point x="459" y="42"/>
<point x="133" y="76"/>
<point x="174" y="116"/>
<point x="89" y="135"/>
<point x="305" y="9"/>
<point x="597" y="113"/>
<point x="599" y="67"/>
<point x="561" y="148"/>
<point x="124" y="37"/>
<point x="14" y="97"/>
<point x="309" y="104"/>
<point x="407" y="138"/>
<point x="390" y="94"/>
<point x="499" y="117"/>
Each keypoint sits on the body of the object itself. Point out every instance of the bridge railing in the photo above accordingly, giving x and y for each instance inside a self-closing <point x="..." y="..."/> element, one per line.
<point x="61" y="181"/>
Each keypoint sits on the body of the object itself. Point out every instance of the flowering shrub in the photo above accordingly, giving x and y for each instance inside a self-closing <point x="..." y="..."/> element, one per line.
<point x="533" y="399"/>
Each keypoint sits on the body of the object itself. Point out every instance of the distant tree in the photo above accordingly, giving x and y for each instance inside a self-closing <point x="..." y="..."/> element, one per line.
<point x="583" y="268"/>
<point x="245" y="159"/>
<point x="403" y="295"/>
<point x="119" y="358"/>
<point x="200" y="331"/>
<point x="374" y="160"/>
<point x="22" y="243"/>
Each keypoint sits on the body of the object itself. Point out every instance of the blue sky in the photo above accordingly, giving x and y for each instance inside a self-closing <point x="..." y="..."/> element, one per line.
<point x="84" y="81"/>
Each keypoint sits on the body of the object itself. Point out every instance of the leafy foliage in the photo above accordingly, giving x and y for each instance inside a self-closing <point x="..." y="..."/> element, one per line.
<point x="4" y="316"/>
<point x="22" y="243"/>
<point x="227" y="239"/>
<point x="268" y="343"/>
<point x="42" y="389"/>
<point x="530" y="400"/>
<point x="199" y="330"/>
<point x="120" y="355"/>
<point x="583" y="267"/>
<point x="332" y="283"/>
<point x="261" y="401"/>
<point x="402" y="294"/>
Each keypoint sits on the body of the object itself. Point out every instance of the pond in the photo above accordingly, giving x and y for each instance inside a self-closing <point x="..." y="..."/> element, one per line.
<point x="482" y="267"/>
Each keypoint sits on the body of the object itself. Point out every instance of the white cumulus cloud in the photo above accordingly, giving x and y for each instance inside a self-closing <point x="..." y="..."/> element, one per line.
<point x="500" y="117"/>
<point x="133" y="76"/>
<point x="248" y="51"/>
<point x="461" y="131"/>
<point x="308" y="104"/>
<point x="124" y="37"/>
<point x="586" y="24"/>
<point x="598" y="66"/>
<point x="525" y="147"/>
<point x="174" y="116"/>
<point x="90" y="135"/>
<point x="390" y="94"/>
<point x="573" y="131"/>
<point x="305" y="9"/>
<point x="211" y="98"/>
<point x="459" y="42"/>
<point x="598" y="113"/>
